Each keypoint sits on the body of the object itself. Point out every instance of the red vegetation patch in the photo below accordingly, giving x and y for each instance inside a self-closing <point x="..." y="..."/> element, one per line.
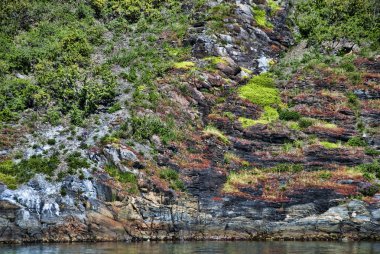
<point x="217" y="199"/>
<point x="195" y="161"/>
<point x="326" y="113"/>
<point x="10" y="136"/>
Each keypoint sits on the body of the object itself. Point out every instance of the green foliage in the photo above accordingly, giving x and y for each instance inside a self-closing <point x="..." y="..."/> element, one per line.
<point x="261" y="18"/>
<point x="356" y="141"/>
<point x="288" y="115"/>
<point x="274" y="6"/>
<point x="370" y="191"/>
<point x="142" y="128"/>
<point x="53" y="116"/>
<point x="353" y="101"/>
<point x="325" y="175"/>
<point x="329" y="145"/>
<point x="288" y="167"/>
<point x="326" y="20"/>
<point x="124" y="177"/>
<point x="130" y="9"/>
<point x="148" y="58"/>
<point x="211" y="130"/>
<point x="13" y="174"/>
<point x="261" y="90"/>
<point x="51" y="142"/>
<point x="186" y="65"/>
<point x="217" y="14"/>
<point x="305" y="122"/>
<point x="109" y="139"/>
<point x="53" y="42"/>
<point x="294" y="126"/>
<point x="371" y="151"/>
<point x="115" y="107"/>
<point x="373" y="168"/>
<point x="172" y="177"/>
<point x="9" y="181"/>
<point x="76" y="161"/>
<point x="269" y="115"/>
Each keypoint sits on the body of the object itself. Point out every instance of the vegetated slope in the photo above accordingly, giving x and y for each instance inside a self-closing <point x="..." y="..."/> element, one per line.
<point x="129" y="120"/>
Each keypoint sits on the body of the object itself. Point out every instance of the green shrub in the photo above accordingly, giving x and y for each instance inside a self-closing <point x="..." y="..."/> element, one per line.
<point x="269" y="115"/>
<point x="373" y="167"/>
<point x="13" y="174"/>
<point x="304" y="123"/>
<point x="172" y="177"/>
<point x="76" y="161"/>
<point x="327" y="20"/>
<point x="356" y="141"/>
<point x="124" y="177"/>
<point x="261" y="90"/>
<point x="371" y="151"/>
<point x="217" y="14"/>
<point x="51" y="142"/>
<point x="370" y="190"/>
<point x="54" y="47"/>
<point x="9" y="181"/>
<point x="187" y="65"/>
<point x="53" y="116"/>
<point x="142" y="128"/>
<point x="353" y="101"/>
<point x="274" y="6"/>
<point x="114" y="108"/>
<point x="261" y="18"/>
<point x="288" y="115"/>
<point x="288" y="167"/>
<point x="325" y="175"/>
<point x="330" y="145"/>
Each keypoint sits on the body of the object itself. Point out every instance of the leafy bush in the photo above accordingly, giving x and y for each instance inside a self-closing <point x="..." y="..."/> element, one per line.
<point x="51" y="142"/>
<point x="304" y="123"/>
<point x="356" y="141"/>
<point x="329" y="145"/>
<point x="76" y="161"/>
<point x="114" y="108"/>
<point x="274" y="6"/>
<point x="54" y="46"/>
<point x="124" y="177"/>
<point x="325" y="175"/>
<point x="142" y="128"/>
<point x="14" y="174"/>
<point x="371" y="151"/>
<point x="270" y="115"/>
<point x="373" y="167"/>
<point x="370" y="190"/>
<point x="130" y="9"/>
<point x="288" y="115"/>
<point x="9" y="181"/>
<point x="172" y="177"/>
<point x="327" y="20"/>
<point x="217" y="14"/>
<point x="261" y="90"/>
<point x="288" y="167"/>
<point x="261" y="18"/>
<point x="186" y="65"/>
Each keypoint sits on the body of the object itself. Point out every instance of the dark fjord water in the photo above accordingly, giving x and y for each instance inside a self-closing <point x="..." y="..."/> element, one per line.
<point x="198" y="248"/>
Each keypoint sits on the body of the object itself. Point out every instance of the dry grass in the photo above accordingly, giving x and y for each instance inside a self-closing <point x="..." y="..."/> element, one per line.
<point x="276" y="186"/>
<point x="212" y="131"/>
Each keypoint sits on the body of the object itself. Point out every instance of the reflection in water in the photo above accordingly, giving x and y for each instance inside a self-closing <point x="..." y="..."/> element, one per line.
<point x="197" y="247"/>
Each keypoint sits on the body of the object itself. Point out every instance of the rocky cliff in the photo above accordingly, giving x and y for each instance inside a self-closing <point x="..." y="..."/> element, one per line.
<point x="245" y="136"/>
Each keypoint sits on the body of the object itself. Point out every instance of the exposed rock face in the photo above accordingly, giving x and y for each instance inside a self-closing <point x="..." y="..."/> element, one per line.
<point x="83" y="216"/>
<point x="99" y="209"/>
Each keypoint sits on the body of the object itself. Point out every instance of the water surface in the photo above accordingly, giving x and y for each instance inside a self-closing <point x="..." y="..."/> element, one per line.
<point x="197" y="247"/>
